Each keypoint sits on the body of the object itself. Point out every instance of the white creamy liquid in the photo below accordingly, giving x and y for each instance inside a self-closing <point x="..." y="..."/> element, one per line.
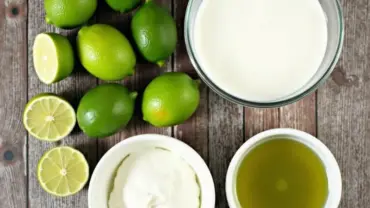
<point x="260" y="50"/>
<point x="155" y="178"/>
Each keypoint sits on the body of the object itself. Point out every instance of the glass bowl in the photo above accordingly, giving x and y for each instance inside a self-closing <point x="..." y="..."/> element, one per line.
<point x="333" y="12"/>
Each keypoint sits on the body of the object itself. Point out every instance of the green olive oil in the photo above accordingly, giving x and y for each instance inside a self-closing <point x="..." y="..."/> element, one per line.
<point x="281" y="173"/>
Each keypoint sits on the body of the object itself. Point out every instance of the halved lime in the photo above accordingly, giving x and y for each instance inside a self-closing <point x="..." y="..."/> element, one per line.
<point x="49" y="117"/>
<point x="63" y="171"/>
<point x="52" y="57"/>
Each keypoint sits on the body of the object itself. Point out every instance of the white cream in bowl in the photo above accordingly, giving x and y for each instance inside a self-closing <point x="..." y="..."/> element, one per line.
<point x="155" y="177"/>
<point x="176" y="177"/>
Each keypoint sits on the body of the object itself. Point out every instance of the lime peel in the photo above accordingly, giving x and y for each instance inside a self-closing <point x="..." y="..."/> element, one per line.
<point x="53" y="57"/>
<point x="161" y="63"/>
<point x="48" y="117"/>
<point x="65" y="165"/>
<point x="133" y="95"/>
<point x="113" y="56"/>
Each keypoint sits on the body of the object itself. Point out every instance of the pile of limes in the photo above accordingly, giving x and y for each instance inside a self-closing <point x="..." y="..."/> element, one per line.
<point x="107" y="54"/>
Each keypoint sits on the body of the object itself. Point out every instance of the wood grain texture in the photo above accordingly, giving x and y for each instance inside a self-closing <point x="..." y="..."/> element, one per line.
<point x="72" y="88"/>
<point x="217" y="129"/>
<point x="300" y="115"/>
<point x="194" y="131"/>
<point x="344" y="107"/>
<point x="225" y="137"/>
<point x="13" y="94"/>
<point x="258" y="120"/>
<point x="144" y="73"/>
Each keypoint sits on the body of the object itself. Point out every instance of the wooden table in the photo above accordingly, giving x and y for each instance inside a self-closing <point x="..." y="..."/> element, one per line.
<point x="338" y="113"/>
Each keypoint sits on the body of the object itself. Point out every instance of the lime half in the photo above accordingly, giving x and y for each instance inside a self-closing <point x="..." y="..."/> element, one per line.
<point x="63" y="171"/>
<point x="52" y="57"/>
<point x="49" y="117"/>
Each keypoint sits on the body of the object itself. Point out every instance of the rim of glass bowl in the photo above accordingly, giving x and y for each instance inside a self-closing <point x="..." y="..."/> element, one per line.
<point x="272" y="104"/>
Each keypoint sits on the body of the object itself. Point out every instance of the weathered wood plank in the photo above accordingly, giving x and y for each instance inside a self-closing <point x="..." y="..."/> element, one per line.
<point x="72" y="88"/>
<point x="258" y="120"/>
<point x="344" y="107"/>
<point x="144" y="73"/>
<point x="300" y="115"/>
<point x="13" y="95"/>
<point x="225" y="137"/>
<point x="194" y="131"/>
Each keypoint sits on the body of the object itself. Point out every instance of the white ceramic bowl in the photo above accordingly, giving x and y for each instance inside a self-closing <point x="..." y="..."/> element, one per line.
<point x="331" y="165"/>
<point x="103" y="173"/>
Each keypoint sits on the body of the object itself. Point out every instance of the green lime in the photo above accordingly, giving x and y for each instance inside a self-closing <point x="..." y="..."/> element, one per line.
<point x="105" y="109"/>
<point x="52" y="57"/>
<point x="62" y="171"/>
<point x="154" y="31"/>
<point x="122" y="6"/>
<point x="105" y="52"/>
<point x="69" y="13"/>
<point x="49" y="117"/>
<point x="170" y="99"/>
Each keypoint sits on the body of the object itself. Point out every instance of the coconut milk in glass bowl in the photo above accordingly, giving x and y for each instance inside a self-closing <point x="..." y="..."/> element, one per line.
<point x="264" y="53"/>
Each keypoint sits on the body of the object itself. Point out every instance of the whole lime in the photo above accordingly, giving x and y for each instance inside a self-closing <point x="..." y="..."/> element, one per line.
<point x="170" y="99"/>
<point x="105" y="52"/>
<point x="154" y="31"/>
<point x="105" y="109"/>
<point x="69" y="13"/>
<point x="122" y="5"/>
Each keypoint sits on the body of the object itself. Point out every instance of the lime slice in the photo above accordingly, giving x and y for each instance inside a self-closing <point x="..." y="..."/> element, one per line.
<point x="63" y="171"/>
<point x="52" y="57"/>
<point x="49" y="117"/>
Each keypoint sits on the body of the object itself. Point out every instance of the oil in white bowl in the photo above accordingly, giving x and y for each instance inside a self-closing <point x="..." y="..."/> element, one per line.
<point x="282" y="173"/>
